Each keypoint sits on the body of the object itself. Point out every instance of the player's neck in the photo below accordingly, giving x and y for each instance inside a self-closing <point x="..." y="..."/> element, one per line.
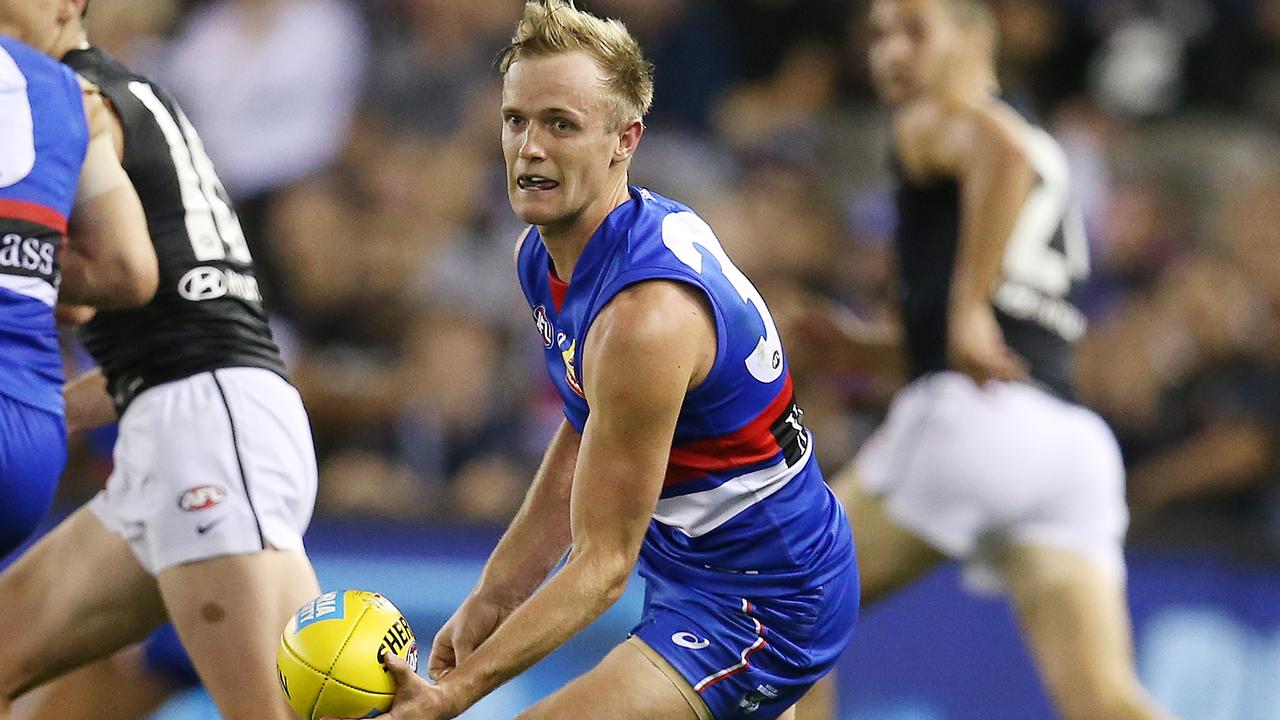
<point x="565" y="242"/>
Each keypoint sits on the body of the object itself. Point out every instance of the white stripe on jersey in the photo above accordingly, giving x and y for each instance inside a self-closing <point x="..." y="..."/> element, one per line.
<point x="32" y="287"/>
<point x="17" y="137"/>
<point x="698" y="513"/>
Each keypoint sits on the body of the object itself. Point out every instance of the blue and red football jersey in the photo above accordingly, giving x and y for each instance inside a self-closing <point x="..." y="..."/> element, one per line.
<point x="43" y="139"/>
<point x="744" y="507"/>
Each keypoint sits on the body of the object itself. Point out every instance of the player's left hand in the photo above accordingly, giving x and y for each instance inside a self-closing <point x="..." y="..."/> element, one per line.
<point x="417" y="699"/>
<point x="976" y="347"/>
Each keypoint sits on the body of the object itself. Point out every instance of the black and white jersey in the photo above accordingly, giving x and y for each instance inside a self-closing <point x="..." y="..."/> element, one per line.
<point x="207" y="312"/>
<point x="1045" y="259"/>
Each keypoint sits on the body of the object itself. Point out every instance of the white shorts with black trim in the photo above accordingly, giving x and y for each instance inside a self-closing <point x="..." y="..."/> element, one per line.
<point x="973" y="470"/>
<point x="219" y="463"/>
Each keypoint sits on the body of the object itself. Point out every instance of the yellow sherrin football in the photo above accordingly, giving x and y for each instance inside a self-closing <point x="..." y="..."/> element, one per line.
<point x="329" y="661"/>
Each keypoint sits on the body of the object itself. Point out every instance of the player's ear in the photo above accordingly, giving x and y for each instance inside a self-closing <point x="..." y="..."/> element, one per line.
<point x="628" y="141"/>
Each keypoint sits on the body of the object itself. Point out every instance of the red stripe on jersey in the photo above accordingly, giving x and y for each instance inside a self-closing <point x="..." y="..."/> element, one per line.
<point x="752" y="443"/>
<point x="559" y="289"/>
<point x="33" y="212"/>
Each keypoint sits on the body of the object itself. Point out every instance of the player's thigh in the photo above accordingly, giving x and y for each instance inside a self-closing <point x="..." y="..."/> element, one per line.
<point x="77" y="595"/>
<point x="820" y="702"/>
<point x="120" y="687"/>
<point x="889" y="554"/>
<point x="1075" y="616"/>
<point x="229" y="612"/>
<point x="631" y="683"/>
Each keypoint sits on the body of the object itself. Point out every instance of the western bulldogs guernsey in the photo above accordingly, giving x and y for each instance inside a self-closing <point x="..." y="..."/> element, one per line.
<point x="43" y="139"/>
<point x="44" y="136"/>
<point x="1046" y="257"/>
<point x="744" y="508"/>
<point x="207" y="312"/>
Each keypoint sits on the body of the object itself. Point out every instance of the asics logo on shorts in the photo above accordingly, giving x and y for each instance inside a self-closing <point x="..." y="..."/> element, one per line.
<point x="689" y="640"/>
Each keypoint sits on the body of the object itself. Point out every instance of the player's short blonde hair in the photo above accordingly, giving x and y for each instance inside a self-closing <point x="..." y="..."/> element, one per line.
<point x="552" y="27"/>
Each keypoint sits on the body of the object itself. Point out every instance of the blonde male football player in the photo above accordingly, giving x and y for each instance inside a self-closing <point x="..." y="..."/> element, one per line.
<point x="682" y="447"/>
<point x="985" y="457"/>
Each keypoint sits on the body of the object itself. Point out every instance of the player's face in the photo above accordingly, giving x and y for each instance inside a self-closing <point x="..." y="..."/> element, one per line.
<point x="35" y="22"/>
<point x="912" y="43"/>
<point x="558" y="138"/>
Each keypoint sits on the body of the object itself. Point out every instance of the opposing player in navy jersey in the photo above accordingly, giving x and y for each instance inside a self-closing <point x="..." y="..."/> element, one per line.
<point x="682" y="444"/>
<point x="214" y="481"/>
<point x="985" y="457"/>
<point x="70" y="227"/>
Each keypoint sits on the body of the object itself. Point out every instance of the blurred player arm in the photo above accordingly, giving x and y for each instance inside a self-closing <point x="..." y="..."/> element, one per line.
<point x="109" y="261"/>
<point x="1229" y="456"/>
<point x="829" y="335"/>
<point x="88" y="403"/>
<point x="645" y="349"/>
<point x="983" y="152"/>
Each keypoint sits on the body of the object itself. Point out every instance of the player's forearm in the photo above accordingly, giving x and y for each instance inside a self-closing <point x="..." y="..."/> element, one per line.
<point x="88" y="403"/>
<point x="579" y="594"/>
<point x="994" y="187"/>
<point x="870" y="350"/>
<point x="539" y="535"/>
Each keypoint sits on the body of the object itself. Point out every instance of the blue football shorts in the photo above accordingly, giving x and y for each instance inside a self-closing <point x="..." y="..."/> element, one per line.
<point x="750" y="657"/>
<point x="33" y="454"/>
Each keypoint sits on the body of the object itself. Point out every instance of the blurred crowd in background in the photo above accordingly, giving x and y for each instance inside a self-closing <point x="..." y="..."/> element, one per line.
<point x="360" y="142"/>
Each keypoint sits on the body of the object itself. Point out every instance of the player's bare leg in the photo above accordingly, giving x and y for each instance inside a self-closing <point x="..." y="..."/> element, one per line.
<point x="120" y="687"/>
<point x="889" y="558"/>
<point x="632" y="683"/>
<point x="1076" y="620"/>
<point x="820" y="702"/>
<point x="76" y="596"/>
<point x="229" y="612"/>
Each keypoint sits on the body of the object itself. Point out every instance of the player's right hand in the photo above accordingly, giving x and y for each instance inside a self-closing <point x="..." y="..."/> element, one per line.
<point x="976" y="347"/>
<point x="470" y="625"/>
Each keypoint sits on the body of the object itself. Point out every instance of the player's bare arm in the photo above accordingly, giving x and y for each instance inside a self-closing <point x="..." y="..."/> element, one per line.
<point x="979" y="145"/>
<point x="88" y="404"/>
<point x="109" y="261"/>
<point x="650" y="345"/>
<point x="846" y="342"/>
<point x="531" y="547"/>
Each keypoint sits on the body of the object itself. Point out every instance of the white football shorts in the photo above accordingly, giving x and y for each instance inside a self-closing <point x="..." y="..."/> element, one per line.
<point x="219" y="463"/>
<point x="974" y="470"/>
